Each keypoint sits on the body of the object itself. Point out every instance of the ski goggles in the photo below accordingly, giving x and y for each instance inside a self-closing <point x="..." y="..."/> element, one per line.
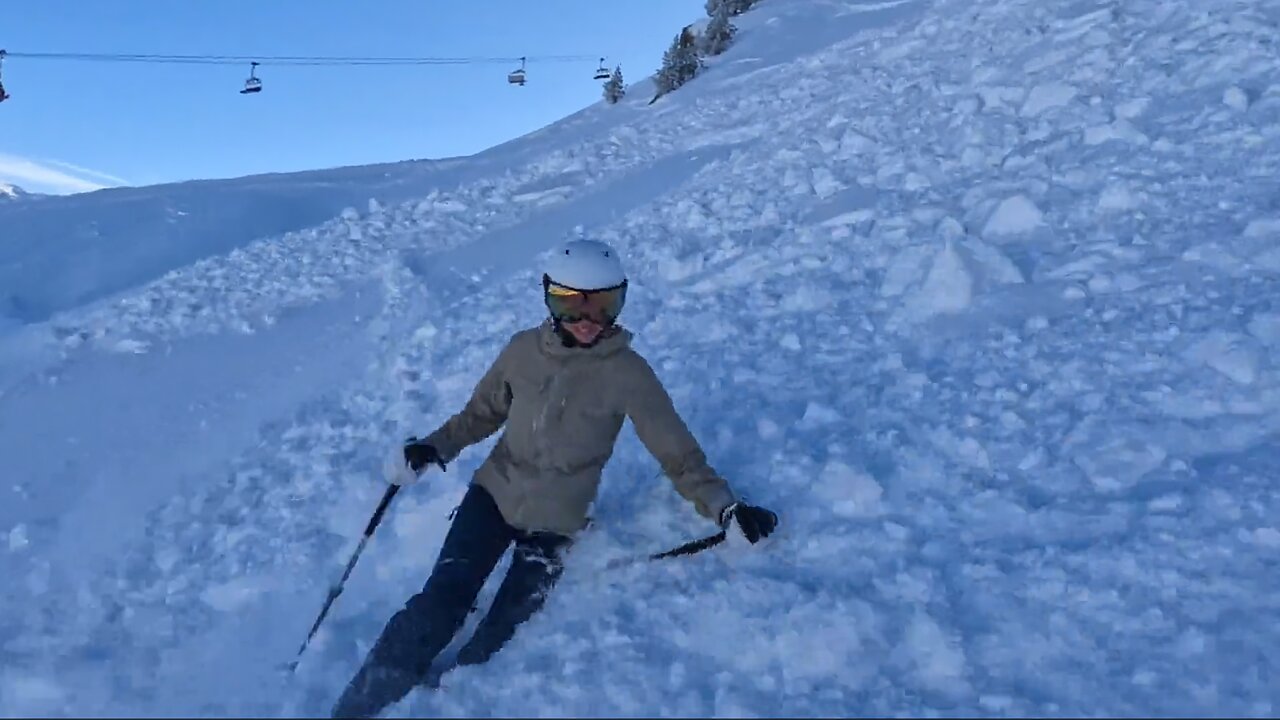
<point x="570" y="305"/>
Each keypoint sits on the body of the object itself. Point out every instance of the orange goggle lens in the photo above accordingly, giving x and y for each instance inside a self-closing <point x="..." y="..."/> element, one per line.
<point x="569" y="305"/>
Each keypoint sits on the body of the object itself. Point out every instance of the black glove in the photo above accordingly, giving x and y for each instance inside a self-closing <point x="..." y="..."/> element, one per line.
<point x="754" y="522"/>
<point x="419" y="455"/>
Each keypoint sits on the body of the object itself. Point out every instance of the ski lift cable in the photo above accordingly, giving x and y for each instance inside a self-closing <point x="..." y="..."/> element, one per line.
<point x="253" y="84"/>
<point x="288" y="59"/>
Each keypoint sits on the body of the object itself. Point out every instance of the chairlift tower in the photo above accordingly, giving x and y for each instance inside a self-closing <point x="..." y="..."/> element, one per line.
<point x="3" y="95"/>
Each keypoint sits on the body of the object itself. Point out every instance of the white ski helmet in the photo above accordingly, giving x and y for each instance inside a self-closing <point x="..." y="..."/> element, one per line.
<point x="585" y="265"/>
<point x="584" y="279"/>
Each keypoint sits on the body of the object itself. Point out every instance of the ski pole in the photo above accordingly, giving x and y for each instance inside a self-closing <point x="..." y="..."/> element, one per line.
<point x="336" y="590"/>
<point x="689" y="548"/>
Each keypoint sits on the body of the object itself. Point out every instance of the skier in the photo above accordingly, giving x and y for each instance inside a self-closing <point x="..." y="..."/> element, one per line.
<point x="563" y="389"/>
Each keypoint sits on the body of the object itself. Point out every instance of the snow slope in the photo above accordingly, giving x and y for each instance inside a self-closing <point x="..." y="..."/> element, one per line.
<point x="980" y="299"/>
<point x="66" y="252"/>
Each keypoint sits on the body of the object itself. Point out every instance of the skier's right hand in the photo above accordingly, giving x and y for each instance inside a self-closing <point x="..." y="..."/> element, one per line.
<point x="406" y="463"/>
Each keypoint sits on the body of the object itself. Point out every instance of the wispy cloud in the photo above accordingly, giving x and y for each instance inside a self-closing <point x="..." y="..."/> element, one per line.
<point x="86" y="172"/>
<point x="53" y="176"/>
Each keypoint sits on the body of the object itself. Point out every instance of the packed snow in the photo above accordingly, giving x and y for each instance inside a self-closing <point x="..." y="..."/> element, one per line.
<point x="980" y="299"/>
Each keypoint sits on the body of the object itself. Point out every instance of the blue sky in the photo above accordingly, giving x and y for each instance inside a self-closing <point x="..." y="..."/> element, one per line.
<point x="73" y="126"/>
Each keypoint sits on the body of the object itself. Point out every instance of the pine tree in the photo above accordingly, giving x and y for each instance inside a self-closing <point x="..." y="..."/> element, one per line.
<point x="719" y="33"/>
<point x="665" y="78"/>
<point x="614" y="90"/>
<point x="713" y="6"/>
<point x="690" y="62"/>
<point x="680" y="63"/>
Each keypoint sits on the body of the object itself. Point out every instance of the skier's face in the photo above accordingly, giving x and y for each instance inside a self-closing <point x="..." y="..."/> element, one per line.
<point x="584" y="313"/>
<point x="584" y="331"/>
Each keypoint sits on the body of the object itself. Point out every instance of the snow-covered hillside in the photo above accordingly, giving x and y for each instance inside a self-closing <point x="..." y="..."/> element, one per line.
<point x="980" y="298"/>
<point x="66" y="252"/>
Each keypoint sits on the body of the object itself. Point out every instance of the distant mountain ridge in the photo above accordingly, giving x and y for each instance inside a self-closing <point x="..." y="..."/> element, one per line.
<point x="10" y="192"/>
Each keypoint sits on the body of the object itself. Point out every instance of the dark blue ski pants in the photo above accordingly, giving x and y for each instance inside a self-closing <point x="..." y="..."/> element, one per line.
<point x="402" y="655"/>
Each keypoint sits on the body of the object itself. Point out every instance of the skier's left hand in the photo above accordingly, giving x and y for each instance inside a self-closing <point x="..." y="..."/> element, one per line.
<point x="752" y="521"/>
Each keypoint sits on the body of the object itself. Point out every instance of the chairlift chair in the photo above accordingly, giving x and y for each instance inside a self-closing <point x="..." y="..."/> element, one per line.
<point x="601" y="73"/>
<point x="516" y="77"/>
<point x="253" y="84"/>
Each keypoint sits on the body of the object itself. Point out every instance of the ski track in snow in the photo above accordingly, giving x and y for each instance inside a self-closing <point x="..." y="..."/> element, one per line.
<point x="981" y="301"/>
